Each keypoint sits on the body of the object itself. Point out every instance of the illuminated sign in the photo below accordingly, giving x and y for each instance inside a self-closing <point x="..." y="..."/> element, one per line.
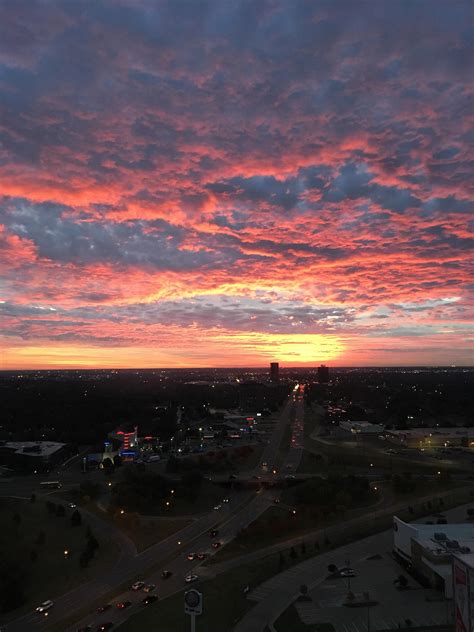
<point x="462" y="597"/>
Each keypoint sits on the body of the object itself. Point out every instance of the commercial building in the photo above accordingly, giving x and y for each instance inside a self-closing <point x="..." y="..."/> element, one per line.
<point x="323" y="374"/>
<point x="34" y="455"/>
<point x="127" y="435"/>
<point x="361" y="427"/>
<point x="431" y="437"/>
<point x="463" y="591"/>
<point x="274" y="372"/>
<point x="431" y="550"/>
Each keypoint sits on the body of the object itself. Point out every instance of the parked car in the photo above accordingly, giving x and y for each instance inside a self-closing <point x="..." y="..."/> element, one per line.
<point x="138" y="585"/>
<point x="105" y="626"/>
<point x="166" y="574"/>
<point x="201" y="556"/>
<point x="191" y="556"/>
<point x="45" y="606"/>
<point x="213" y="533"/>
<point x="149" y="588"/>
<point x="123" y="604"/>
<point x="348" y="572"/>
<point x="191" y="578"/>
<point x="217" y="507"/>
<point x="105" y="607"/>
<point x="216" y="545"/>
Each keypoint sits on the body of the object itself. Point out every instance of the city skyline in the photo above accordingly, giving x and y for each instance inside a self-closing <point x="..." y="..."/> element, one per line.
<point x="231" y="184"/>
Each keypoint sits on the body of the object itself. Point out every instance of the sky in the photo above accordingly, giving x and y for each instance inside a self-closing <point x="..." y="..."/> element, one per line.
<point x="229" y="183"/>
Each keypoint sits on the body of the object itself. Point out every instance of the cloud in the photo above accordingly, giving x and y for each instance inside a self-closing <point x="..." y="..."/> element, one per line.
<point x="156" y="155"/>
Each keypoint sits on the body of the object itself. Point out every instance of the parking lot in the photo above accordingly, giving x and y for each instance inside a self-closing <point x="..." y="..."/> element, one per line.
<point x="375" y="577"/>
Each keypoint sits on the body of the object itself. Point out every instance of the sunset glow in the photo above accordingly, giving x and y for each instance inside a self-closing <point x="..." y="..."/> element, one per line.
<point x="233" y="183"/>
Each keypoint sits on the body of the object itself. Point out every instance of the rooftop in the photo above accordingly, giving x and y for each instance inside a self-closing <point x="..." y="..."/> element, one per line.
<point x="34" y="448"/>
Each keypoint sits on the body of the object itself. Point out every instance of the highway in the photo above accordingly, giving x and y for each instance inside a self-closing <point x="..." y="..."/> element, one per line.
<point x="170" y="553"/>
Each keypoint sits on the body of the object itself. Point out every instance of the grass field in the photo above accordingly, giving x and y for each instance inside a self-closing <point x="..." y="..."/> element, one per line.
<point x="143" y="531"/>
<point x="52" y="572"/>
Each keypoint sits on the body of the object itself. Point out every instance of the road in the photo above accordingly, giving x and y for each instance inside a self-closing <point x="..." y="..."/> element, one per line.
<point x="171" y="552"/>
<point x="295" y="453"/>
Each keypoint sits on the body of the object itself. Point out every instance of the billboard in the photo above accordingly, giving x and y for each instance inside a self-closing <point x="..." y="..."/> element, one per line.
<point x="462" y="596"/>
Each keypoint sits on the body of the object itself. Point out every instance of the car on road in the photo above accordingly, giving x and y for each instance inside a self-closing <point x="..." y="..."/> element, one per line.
<point x="149" y="599"/>
<point x="105" y="626"/>
<point x="191" y="556"/>
<point x="149" y="588"/>
<point x="348" y="572"/>
<point x="138" y="585"/>
<point x="217" y="507"/>
<point x="166" y="574"/>
<point x="276" y="501"/>
<point x="201" y="556"/>
<point x="191" y="578"/>
<point x="121" y="605"/>
<point x="225" y="500"/>
<point x="216" y="545"/>
<point x="213" y="533"/>
<point x="104" y="608"/>
<point x="45" y="606"/>
<point x="72" y="505"/>
<point x="290" y="477"/>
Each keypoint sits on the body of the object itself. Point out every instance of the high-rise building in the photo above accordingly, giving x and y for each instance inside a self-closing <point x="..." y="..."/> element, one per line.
<point x="274" y="372"/>
<point x="323" y="374"/>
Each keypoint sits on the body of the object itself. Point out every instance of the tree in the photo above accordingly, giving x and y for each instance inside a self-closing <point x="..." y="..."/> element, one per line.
<point x="84" y="559"/>
<point x="281" y="560"/>
<point x="402" y="581"/>
<point x="60" y="511"/>
<point x="16" y="520"/>
<point x="108" y="465"/>
<point x="92" y="545"/>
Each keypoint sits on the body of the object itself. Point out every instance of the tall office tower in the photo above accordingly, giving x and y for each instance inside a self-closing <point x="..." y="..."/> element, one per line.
<point x="274" y="372"/>
<point x="323" y="374"/>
